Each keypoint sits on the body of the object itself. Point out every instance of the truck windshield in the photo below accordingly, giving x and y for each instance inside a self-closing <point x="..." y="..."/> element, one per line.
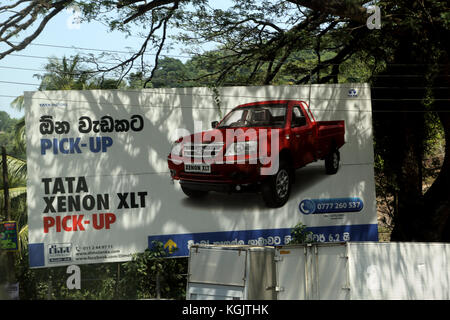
<point x="267" y="115"/>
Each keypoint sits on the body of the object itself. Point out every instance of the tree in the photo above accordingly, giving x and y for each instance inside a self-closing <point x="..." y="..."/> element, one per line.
<point x="26" y="16"/>
<point x="63" y="74"/>
<point x="5" y="121"/>
<point x="169" y="74"/>
<point x="9" y="135"/>
<point x="410" y="92"/>
<point x="415" y="86"/>
<point x="16" y="167"/>
<point x="17" y="186"/>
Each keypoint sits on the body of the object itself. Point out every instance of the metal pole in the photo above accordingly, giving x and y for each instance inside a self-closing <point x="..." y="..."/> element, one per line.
<point x="118" y="280"/>
<point x="158" y="286"/>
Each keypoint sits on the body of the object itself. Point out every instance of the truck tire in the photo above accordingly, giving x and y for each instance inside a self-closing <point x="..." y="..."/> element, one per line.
<point x="191" y="193"/>
<point x="276" y="189"/>
<point x="332" y="162"/>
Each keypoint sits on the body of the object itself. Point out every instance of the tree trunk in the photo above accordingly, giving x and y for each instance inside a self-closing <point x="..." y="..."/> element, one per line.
<point x="427" y="217"/>
<point x="437" y="198"/>
<point x="408" y="165"/>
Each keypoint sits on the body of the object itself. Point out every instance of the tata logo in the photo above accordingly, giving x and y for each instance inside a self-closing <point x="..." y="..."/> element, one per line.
<point x="352" y="93"/>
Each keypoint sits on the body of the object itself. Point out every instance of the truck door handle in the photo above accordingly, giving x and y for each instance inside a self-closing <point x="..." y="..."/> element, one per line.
<point x="276" y="288"/>
<point x="309" y="133"/>
<point x="297" y="135"/>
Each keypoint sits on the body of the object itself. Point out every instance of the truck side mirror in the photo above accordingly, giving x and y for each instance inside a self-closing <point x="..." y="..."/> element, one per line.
<point x="214" y="124"/>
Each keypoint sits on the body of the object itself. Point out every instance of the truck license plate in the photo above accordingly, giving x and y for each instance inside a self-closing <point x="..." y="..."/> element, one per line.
<point x="199" y="168"/>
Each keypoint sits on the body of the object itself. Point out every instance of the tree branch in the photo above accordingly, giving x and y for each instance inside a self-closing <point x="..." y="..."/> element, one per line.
<point x="351" y="9"/>
<point x="57" y="7"/>
<point x="336" y="60"/>
<point x="142" y="9"/>
<point x="161" y="45"/>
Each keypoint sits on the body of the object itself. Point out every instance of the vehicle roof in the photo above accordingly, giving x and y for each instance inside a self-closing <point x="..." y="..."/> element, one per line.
<point x="258" y="103"/>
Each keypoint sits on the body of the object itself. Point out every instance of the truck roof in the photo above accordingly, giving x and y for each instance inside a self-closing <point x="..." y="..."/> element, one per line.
<point x="257" y="103"/>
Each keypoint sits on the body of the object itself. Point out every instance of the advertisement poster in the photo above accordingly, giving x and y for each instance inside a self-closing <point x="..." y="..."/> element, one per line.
<point x="108" y="170"/>
<point x="9" y="240"/>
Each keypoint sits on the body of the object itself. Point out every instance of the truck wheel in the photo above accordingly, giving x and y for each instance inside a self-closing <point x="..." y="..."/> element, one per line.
<point x="191" y="193"/>
<point x="276" y="189"/>
<point x="332" y="162"/>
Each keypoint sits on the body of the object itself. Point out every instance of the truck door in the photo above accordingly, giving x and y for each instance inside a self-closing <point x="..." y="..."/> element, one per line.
<point x="216" y="274"/>
<point x="302" y="138"/>
<point x="330" y="264"/>
<point x="312" y="272"/>
<point x="290" y="273"/>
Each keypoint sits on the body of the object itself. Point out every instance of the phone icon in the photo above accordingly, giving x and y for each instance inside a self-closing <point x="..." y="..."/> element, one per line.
<point x="307" y="206"/>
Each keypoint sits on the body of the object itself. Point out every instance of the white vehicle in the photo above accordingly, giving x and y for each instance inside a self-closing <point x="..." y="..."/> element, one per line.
<point x="322" y="271"/>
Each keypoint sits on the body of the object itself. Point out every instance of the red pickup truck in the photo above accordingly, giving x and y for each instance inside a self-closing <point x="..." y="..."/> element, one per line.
<point x="256" y="147"/>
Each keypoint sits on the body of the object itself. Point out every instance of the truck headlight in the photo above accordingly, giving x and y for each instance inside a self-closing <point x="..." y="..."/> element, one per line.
<point x="176" y="149"/>
<point x="242" y="148"/>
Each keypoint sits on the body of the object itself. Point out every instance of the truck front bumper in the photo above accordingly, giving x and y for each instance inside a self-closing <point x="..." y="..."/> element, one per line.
<point x="208" y="186"/>
<point x="222" y="178"/>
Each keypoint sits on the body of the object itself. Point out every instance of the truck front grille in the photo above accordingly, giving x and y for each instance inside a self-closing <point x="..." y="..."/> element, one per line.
<point x="202" y="150"/>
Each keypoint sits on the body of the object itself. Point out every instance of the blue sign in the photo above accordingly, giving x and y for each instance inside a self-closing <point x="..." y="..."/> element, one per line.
<point x="336" y="205"/>
<point x="177" y="245"/>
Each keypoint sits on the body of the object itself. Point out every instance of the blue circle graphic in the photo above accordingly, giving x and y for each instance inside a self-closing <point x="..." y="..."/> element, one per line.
<point x="307" y="206"/>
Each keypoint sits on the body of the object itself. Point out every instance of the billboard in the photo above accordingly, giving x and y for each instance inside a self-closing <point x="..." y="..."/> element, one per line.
<point x="100" y="188"/>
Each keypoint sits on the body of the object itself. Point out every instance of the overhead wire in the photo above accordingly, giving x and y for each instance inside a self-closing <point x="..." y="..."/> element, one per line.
<point x="197" y="81"/>
<point x="102" y="50"/>
<point x="158" y="91"/>
<point x="169" y="55"/>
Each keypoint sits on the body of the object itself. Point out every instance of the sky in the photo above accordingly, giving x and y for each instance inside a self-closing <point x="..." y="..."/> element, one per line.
<point x="17" y="70"/>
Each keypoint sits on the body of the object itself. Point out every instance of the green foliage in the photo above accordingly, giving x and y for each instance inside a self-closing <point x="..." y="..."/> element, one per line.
<point x="299" y="234"/>
<point x="171" y="73"/>
<point x="63" y="74"/>
<point x="17" y="196"/>
<point x="152" y="271"/>
<point x="98" y="282"/>
<point x="8" y="136"/>
<point x="72" y="74"/>
<point x="136" y="279"/>
<point x="6" y="122"/>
